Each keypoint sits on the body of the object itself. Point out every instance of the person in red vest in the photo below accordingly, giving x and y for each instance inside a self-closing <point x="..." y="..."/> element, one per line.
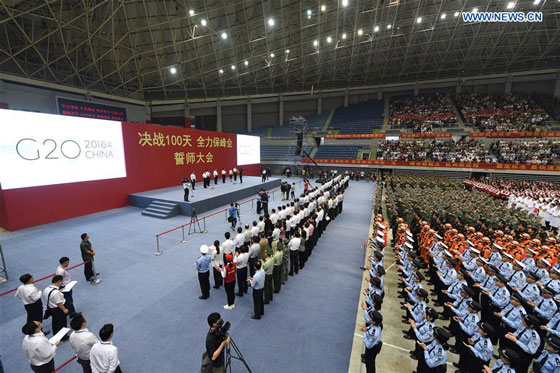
<point x="228" y="273"/>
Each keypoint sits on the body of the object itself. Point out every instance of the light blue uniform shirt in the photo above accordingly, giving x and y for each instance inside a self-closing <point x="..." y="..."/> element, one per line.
<point x="470" y="264"/>
<point x="425" y="332"/>
<point x="435" y="355"/>
<point x="512" y="316"/>
<point x="372" y="336"/>
<point x="506" y="269"/>
<point x="545" y="307"/>
<point x="553" y="325"/>
<point x="413" y="298"/>
<point x="549" y="363"/>
<point x="529" y="264"/>
<point x="500" y="297"/>
<point x="470" y="323"/>
<point x="479" y="274"/>
<point x="419" y="312"/>
<point x="460" y="307"/>
<point x="450" y="277"/>
<point x="482" y="348"/>
<point x="455" y="289"/>
<point x="543" y="274"/>
<point x="489" y="284"/>
<point x="528" y="339"/>
<point x="203" y="263"/>
<point x="258" y="280"/>
<point x="518" y="280"/>
<point x="530" y="292"/>
<point x="495" y="259"/>
<point x="500" y="367"/>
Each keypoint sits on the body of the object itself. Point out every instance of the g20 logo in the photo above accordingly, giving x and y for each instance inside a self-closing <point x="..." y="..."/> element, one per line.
<point x="31" y="150"/>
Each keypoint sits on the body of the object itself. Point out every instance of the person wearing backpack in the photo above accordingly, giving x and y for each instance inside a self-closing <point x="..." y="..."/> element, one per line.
<point x="232" y="212"/>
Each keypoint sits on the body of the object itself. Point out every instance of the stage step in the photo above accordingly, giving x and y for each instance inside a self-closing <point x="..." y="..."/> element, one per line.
<point x="161" y="209"/>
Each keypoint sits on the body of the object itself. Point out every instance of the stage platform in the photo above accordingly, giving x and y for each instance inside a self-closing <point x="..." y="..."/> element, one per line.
<point x="166" y="202"/>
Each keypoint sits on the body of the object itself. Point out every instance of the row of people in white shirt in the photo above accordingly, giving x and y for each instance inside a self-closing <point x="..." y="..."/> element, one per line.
<point x="548" y="209"/>
<point x="94" y="355"/>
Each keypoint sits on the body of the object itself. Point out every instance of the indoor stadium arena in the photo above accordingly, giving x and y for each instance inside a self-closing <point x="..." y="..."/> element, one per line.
<point x="280" y="186"/>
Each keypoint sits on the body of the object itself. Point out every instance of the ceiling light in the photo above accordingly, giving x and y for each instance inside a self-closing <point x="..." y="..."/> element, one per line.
<point x="344" y="35"/>
<point x="329" y="39"/>
<point x="376" y="28"/>
<point x="315" y="43"/>
<point x="456" y="14"/>
<point x="308" y="17"/>
<point x="191" y="12"/>
<point x="246" y="63"/>
<point x="309" y="12"/>
<point x="287" y="51"/>
<point x="419" y="20"/>
<point x="203" y="22"/>
<point x="443" y="15"/>
<point x="536" y="2"/>
<point x="221" y="71"/>
<point x="270" y="22"/>
<point x="360" y="32"/>
<point x="510" y="5"/>
<point x="475" y="10"/>
<point x="323" y="8"/>
<point x="224" y="35"/>
<point x="272" y="55"/>
<point x="389" y="27"/>
<point x="344" y="2"/>
<point x="173" y="70"/>
<point x="233" y="67"/>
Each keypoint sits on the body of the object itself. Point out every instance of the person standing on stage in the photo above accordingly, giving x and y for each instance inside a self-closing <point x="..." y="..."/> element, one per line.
<point x="241" y="175"/>
<point x="39" y="351"/>
<point x="230" y="175"/>
<point x="215" y="174"/>
<point x="31" y="298"/>
<point x="87" y="256"/>
<point x="203" y="267"/>
<point x="104" y="357"/>
<point x="223" y="176"/>
<point x="263" y="173"/>
<point x="257" y="283"/>
<point x="228" y="273"/>
<point x="204" y="179"/>
<point x="55" y="303"/>
<point x="82" y="340"/>
<point x="186" y="188"/>
<point x="234" y="173"/>
<point x="62" y="271"/>
<point x="193" y="180"/>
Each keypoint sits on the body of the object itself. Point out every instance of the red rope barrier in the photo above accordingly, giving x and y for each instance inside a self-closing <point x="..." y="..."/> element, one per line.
<point x="65" y="364"/>
<point x="44" y="278"/>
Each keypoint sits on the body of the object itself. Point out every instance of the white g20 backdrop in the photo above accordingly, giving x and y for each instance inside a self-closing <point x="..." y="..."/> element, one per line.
<point x="43" y="149"/>
<point x="248" y="150"/>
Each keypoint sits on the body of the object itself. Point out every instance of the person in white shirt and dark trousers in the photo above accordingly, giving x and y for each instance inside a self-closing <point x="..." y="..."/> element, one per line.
<point x="39" y="351"/>
<point x="82" y="340"/>
<point x="293" y="245"/>
<point x="104" y="357"/>
<point x="62" y="271"/>
<point x="257" y="283"/>
<point x="55" y="305"/>
<point x="31" y="298"/>
<point x="241" y="259"/>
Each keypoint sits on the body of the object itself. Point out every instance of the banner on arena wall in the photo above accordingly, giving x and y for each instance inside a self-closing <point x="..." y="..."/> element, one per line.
<point x="426" y="135"/>
<point x="517" y="134"/>
<point x="356" y="136"/>
<point x="472" y="165"/>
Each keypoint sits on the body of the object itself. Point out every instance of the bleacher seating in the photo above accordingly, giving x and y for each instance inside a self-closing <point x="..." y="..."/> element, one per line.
<point x="313" y="122"/>
<point x="358" y="118"/>
<point x="316" y="122"/>
<point x="337" y="152"/>
<point x="422" y="113"/>
<point x="283" y="131"/>
<point x="280" y="152"/>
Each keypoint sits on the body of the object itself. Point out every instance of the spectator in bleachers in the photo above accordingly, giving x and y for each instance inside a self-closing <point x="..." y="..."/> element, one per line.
<point x="422" y="114"/>
<point x="508" y="113"/>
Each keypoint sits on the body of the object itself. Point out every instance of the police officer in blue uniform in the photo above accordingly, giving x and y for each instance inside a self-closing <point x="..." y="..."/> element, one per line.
<point x="549" y="360"/>
<point x="434" y="358"/>
<point x="423" y="332"/>
<point x="508" y="357"/>
<point x="372" y="339"/>
<point x="526" y="342"/>
<point x="478" y="350"/>
<point x="510" y="317"/>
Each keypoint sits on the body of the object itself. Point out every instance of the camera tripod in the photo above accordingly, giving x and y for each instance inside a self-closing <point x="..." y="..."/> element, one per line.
<point x="239" y="356"/>
<point x="194" y="223"/>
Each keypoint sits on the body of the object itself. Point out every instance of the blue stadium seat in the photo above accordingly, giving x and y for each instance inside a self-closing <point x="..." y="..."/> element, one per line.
<point x="337" y="152"/>
<point x="358" y="118"/>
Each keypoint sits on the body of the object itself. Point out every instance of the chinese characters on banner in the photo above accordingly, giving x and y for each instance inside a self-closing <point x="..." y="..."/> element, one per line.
<point x="203" y="146"/>
<point x="516" y="134"/>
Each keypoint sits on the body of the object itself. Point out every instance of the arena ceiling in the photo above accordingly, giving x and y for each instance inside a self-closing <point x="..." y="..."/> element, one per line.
<point x="154" y="50"/>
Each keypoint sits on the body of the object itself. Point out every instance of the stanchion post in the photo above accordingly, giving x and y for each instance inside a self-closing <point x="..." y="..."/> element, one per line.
<point x="183" y="231"/>
<point x="225" y="211"/>
<point x="204" y="223"/>
<point x="158" y="252"/>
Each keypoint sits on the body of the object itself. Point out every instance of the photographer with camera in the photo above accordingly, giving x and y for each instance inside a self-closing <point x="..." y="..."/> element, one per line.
<point x="216" y="341"/>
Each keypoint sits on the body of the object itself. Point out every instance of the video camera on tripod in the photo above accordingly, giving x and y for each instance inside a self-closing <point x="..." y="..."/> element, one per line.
<point x="221" y="330"/>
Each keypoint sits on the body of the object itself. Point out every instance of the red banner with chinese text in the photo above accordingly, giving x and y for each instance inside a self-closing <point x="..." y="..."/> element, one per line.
<point x="426" y="135"/>
<point x="517" y="134"/>
<point x="470" y="165"/>
<point x="356" y="136"/>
